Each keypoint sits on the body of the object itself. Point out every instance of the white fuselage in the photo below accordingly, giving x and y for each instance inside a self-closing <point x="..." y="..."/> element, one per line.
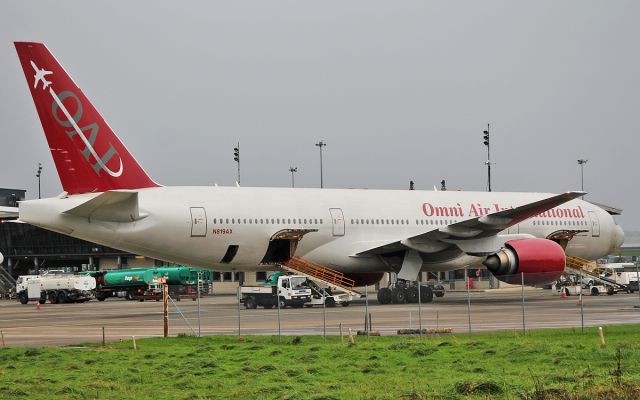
<point x="196" y="225"/>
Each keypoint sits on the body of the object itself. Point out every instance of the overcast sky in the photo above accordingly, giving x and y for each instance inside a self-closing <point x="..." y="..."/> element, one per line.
<point x="399" y="91"/>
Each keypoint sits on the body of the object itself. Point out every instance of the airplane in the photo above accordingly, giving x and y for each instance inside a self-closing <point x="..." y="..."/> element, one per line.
<point x="360" y="233"/>
<point x="39" y="76"/>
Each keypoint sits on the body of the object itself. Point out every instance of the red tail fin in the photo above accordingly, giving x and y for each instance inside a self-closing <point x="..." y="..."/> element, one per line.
<point x="88" y="155"/>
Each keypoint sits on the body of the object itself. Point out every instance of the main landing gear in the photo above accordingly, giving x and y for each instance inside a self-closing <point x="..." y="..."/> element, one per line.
<point x="407" y="292"/>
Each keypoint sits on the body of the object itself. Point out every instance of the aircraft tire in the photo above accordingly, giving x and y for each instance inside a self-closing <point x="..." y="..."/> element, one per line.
<point x="250" y="303"/>
<point x="398" y="296"/>
<point x="412" y="295"/>
<point x="384" y="296"/>
<point x="62" y="297"/>
<point x="426" y="294"/>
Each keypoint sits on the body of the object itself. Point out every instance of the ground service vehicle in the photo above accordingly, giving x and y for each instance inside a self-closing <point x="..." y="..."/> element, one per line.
<point x="142" y="283"/>
<point x="320" y="296"/>
<point x="587" y="289"/>
<point x="623" y="274"/>
<point x="291" y="290"/>
<point x="57" y="288"/>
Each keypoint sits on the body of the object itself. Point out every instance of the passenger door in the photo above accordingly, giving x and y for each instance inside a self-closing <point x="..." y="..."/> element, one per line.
<point x="337" y="221"/>
<point x="595" y="224"/>
<point x="198" y="222"/>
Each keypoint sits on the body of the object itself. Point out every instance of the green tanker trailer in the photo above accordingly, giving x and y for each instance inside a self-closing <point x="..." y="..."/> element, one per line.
<point x="142" y="283"/>
<point x="183" y="281"/>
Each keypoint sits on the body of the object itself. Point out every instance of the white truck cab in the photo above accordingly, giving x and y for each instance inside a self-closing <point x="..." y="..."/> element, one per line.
<point x="290" y="290"/>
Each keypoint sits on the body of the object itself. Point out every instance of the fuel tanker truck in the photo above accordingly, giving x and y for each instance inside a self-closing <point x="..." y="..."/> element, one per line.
<point x="57" y="287"/>
<point x="142" y="283"/>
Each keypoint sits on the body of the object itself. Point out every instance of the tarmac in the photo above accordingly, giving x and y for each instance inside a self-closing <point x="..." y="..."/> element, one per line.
<point x="71" y="324"/>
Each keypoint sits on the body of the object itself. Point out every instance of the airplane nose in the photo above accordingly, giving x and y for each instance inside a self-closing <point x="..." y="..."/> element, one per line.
<point x="618" y="236"/>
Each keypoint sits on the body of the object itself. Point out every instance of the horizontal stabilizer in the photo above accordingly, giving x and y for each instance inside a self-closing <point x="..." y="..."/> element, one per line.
<point x="8" y="212"/>
<point x="113" y="205"/>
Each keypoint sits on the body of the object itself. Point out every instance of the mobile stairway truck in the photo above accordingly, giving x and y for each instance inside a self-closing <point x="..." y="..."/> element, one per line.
<point x="321" y="292"/>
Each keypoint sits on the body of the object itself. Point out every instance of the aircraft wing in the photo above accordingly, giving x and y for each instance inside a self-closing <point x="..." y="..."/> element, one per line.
<point x="8" y="212"/>
<point x="472" y="229"/>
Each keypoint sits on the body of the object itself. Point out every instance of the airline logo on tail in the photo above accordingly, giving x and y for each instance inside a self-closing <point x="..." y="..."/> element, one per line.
<point x="72" y="121"/>
<point x="39" y="76"/>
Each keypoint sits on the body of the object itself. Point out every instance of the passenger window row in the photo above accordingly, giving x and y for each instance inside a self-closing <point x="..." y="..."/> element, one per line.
<point x="268" y="221"/>
<point x="560" y="223"/>
<point x="368" y="221"/>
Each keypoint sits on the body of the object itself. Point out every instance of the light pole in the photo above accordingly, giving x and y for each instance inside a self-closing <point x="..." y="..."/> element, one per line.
<point x="581" y="163"/>
<point x="38" y="176"/>
<point x="293" y="170"/>
<point x="486" y="143"/>
<point x="493" y="284"/>
<point x="236" y="158"/>
<point x="321" y="144"/>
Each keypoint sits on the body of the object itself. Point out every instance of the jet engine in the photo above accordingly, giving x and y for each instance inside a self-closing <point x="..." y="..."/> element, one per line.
<point x="537" y="260"/>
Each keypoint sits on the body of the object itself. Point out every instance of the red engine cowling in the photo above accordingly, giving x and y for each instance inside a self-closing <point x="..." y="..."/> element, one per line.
<point x="365" y="278"/>
<point x="540" y="260"/>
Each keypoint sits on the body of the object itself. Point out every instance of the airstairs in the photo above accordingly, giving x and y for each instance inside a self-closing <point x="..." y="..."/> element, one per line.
<point x="584" y="267"/>
<point x="6" y="281"/>
<point x="311" y="270"/>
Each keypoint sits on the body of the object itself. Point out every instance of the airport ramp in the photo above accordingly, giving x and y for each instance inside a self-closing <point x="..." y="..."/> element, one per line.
<point x="321" y="273"/>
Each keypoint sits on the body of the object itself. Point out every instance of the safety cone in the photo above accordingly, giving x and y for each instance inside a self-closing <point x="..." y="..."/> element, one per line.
<point x="37" y="305"/>
<point x="564" y="293"/>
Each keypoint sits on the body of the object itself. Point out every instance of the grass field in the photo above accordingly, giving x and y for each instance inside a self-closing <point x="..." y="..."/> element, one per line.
<point x="545" y="364"/>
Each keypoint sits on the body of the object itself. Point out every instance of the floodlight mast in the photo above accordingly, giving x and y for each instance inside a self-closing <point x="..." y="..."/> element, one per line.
<point x="38" y="174"/>
<point x="293" y="170"/>
<point x="321" y="144"/>
<point x="236" y="158"/>
<point x="581" y="163"/>
<point x="487" y="143"/>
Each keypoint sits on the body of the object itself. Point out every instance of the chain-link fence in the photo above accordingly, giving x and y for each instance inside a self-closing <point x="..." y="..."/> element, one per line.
<point x="465" y="309"/>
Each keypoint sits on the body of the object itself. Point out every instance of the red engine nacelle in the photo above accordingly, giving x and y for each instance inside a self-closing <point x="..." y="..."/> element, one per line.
<point x="365" y="278"/>
<point x="540" y="260"/>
